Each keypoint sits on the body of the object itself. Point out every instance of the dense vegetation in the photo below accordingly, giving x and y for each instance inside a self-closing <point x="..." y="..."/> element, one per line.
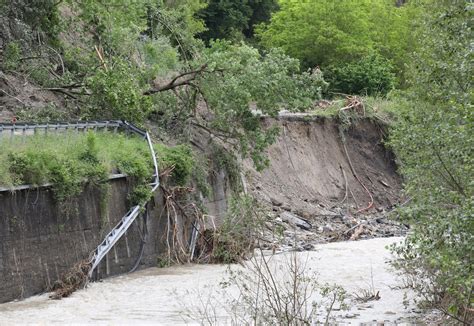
<point x="234" y="20"/>
<point x="336" y="35"/>
<point x="434" y="144"/>
<point x="73" y="160"/>
<point x="219" y="65"/>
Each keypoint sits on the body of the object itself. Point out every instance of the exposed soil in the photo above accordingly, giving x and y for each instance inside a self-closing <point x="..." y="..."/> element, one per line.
<point x="311" y="189"/>
<point x="19" y="97"/>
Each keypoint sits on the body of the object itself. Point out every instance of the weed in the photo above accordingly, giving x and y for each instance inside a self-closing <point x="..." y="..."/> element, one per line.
<point x="11" y="56"/>
<point x="234" y="240"/>
<point x="179" y="159"/>
<point x="271" y="292"/>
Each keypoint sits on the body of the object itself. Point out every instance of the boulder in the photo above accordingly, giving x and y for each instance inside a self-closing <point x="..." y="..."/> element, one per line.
<point x="295" y="220"/>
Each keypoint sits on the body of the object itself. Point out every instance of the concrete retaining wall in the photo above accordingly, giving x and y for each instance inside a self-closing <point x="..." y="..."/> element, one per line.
<point x="39" y="241"/>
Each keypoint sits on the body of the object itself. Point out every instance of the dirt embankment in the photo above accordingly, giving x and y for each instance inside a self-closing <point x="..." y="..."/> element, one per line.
<point x="20" y="98"/>
<point x="326" y="183"/>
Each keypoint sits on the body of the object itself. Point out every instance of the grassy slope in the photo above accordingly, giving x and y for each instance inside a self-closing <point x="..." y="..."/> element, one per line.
<point x="69" y="160"/>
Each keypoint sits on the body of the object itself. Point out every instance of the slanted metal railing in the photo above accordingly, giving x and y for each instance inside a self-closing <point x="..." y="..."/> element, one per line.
<point x="25" y="129"/>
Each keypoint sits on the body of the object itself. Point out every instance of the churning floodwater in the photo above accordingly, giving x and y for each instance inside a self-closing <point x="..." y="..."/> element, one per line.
<point x="171" y="296"/>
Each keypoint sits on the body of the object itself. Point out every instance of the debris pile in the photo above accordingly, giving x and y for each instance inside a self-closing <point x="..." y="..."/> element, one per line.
<point x="286" y="230"/>
<point x="327" y="182"/>
<point x="73" y="280"/>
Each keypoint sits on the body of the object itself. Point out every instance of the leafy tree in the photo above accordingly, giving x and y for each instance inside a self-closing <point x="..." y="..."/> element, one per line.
<point x="326" y="32"/>
<point x="227" y="19"/>
<point x="261" y="12"/>
<point x="371" y="75"/>
<point x="116" y="93"/>
<point x="140" y="59"/>
<point x="227" y="80"/>
<point x="39" y="15"/>
<point x="435" y="147"/>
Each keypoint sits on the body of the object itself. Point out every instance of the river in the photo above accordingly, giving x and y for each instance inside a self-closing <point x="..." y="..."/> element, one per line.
<point x="174" y="295"/>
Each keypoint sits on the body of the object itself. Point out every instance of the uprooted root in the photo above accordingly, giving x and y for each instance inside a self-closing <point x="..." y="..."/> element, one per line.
<point x="75" y="279"/>
<point x="354" y="103"/>
<point x="182" y="218"/>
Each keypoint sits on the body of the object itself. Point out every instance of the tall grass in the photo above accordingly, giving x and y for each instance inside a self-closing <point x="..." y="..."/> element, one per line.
<point x="68" y="160"/>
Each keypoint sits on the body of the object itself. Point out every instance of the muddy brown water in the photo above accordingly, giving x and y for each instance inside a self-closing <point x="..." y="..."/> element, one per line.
<point x="171" y="296"/>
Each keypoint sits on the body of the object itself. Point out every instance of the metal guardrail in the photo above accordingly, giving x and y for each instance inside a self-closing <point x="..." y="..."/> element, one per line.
<point x="25" y="129"/>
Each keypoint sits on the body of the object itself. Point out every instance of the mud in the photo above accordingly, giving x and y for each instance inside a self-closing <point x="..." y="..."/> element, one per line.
<point x="175" y="295"/>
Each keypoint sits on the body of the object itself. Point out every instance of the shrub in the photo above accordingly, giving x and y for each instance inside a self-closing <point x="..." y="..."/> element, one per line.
<point x="117" y="94"/>
<point x="70" y="161"/>
<point x="235" y="238"/>
<point x="11" y="56"/>
<point x="180" y="159"/>
<point x="435" y="147"/>
<point x="371" y="75"/>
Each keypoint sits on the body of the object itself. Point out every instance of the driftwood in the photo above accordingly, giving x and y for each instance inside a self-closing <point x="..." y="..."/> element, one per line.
<point x="75" y="279"/>
<point x="354" y="103"/>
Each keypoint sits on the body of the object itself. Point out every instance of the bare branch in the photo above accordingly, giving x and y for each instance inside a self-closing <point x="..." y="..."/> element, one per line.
<point x="182" y="79"/>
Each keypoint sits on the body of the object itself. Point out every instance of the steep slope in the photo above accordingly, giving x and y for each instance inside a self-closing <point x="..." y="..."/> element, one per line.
<point x="311" y="176"/>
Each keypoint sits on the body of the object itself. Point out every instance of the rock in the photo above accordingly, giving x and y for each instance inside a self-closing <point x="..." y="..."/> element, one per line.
<point x="288" y="234"/>
<point x="305" y="215"/>
<point x="328" y="228"/>
<point x="349" y="220"/>
<point x="276" y="202"/>
<point x="286" y="207"/>
<point x="308" y="246"/>
<point x="295" y="220"/>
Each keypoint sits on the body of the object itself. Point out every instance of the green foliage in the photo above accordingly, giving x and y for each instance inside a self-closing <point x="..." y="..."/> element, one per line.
<point x="49" y="112"/>
<point x="261" y="13"/>
<point x="236" y="236"/>
<point x="435" y="147"/>
<point x="11" y="56"/>
<point x="118" y="96"/>
<point x="327" y="32"/>
<point x="120" y="49"/>
<point x="40" y="15"/>
<point x="177" y="21"/>
<point x="241" y="76"/>
<point x="140" y="195"/>
<point x="178" y="158"/>
<point x="125" y="46"/>
<point x="226" y="161"/>
<point x="72" y="161"/>
<point x="226" y="19"/>
<point x="371" y="75"/>
<point x="116" y="24"/>
<point x="122" y="26"/>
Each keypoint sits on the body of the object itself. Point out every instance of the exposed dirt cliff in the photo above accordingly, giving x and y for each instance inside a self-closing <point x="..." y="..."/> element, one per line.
<point x="328" y="181"/>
